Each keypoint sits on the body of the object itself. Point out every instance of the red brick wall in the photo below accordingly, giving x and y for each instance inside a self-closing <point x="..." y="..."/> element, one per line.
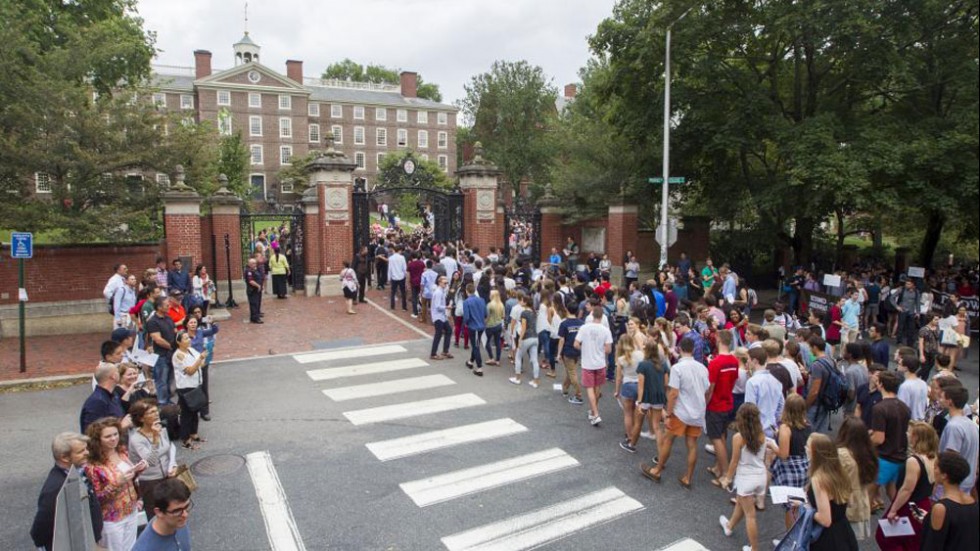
<point x="337" y="244"/>
<point x="183" y="233"/>
<point x="206" y="247"/>
<point x="313" y="240"/>
<point x="553" y="234"/>
<point x="479" y="233"/>
<point x="621" y="235"/>
<point x="694" y="239"/>
<point x="220" y="225"/>
<point x="72" y="272"/>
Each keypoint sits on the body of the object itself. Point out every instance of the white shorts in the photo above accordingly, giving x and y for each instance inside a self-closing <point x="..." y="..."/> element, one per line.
<point x="752" y="485"/>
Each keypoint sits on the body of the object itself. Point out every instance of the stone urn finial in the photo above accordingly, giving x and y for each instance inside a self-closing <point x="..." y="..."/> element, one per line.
<point x="478" y="154"/>
<point x="222" y="190"/>
<point x="179" y="177"/>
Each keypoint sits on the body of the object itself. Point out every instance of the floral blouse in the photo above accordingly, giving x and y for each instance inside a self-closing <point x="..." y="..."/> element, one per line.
<point x="116" y="495"/>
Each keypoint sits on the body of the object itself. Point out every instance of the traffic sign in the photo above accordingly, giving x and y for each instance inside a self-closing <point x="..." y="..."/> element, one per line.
<point x="672" y="180"/>
<point x="22" y="245"/>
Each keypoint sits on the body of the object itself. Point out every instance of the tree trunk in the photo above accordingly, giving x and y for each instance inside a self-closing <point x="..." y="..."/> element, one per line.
<point x="841" y="235"/>
<point x="803" y="241"/>
<point x="934" y="230"/>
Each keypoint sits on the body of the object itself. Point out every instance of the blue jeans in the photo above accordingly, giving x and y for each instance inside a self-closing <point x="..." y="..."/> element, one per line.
<point x="544" y="345"/>
<point x="161" y="379"/>
<point x="819" y="419"/>
<point x="475" y="356"/>
<point x="681" y="291"/>
<point x="493" y="340"/>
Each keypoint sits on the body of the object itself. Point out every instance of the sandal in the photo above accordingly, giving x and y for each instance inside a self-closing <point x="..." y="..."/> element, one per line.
<point x="685" y="485"/>
<point x="436" y="358"/>
<point x="447" y="356"/>
<point x="199" y="439"/>
<point x="478" y="372"/>
<point x="646" y="468"/>
<point x="188" y="445"/>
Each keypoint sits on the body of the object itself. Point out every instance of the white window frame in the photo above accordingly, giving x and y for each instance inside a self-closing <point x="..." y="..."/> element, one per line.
<point x="163" y="180"/>
<point x="401" y="137"/>
<point x="423" y="139"/>
<point x="285" y="102"/>
<point x="286" y="187"/>
<point x="224" y="118"/>
<point x="380" y="114"/>
<point x="359" y="129"/>
<point x="251" y="126"/>
<point x="336" y="111"/>
<point x="252" y="150"/>
<point x="284" y="151"/>
<point x="254" y="100"/>
<point x="159" y="100"/>
<point x="442" y="118"/>
<point x="338" y="134"/>
<point x="380" y="157"/>
<point x="314" y="133"/>
<point x="42" y="182"/>
<point x="381" y="137"/>
<point x="422" y="117"/>
<point x="285" y="127"/>
<point x="362" y="163"/>
<point x="401" y="115"/>
<point x="265" y="187"/>
<point x="443" y="161"/>
<point x="313" y="109"/>
<point x="442" y="140"/>
<point x="187" y="101"/>
<point x="359" y="112"/>
<point x="227" y="97"/>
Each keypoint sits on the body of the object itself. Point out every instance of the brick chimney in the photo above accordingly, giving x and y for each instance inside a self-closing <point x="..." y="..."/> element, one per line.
<point x="294" y="70"/>
<point x="410" y="84"/>
<point x="202" y="63"/>
<point x="571" y="90"/>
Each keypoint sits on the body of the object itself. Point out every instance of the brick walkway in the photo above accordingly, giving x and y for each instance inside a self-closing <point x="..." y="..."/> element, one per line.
<point x="297" y="324"/>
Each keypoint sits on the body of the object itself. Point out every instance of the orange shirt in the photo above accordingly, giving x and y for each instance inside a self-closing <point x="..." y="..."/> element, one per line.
<point x="178" y="314"/>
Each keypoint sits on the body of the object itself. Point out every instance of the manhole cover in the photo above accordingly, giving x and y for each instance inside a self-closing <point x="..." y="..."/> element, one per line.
<point x="218" y="465"/>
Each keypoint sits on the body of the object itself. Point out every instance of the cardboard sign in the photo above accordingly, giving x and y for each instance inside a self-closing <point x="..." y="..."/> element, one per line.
<point x="831" y="280"/>
<point x="917" y="272"/>
<point x="819" y="302"/>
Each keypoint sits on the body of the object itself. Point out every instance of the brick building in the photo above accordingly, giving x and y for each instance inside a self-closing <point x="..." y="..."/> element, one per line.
<point x="282" y="117"/>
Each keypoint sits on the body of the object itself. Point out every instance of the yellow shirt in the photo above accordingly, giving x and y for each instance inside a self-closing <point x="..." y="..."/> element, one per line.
<point x="278" y="265"/>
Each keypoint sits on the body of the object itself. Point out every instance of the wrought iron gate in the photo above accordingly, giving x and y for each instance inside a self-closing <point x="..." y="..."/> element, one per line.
<point x="291" y="241"/>
<point x="522" y="222"/>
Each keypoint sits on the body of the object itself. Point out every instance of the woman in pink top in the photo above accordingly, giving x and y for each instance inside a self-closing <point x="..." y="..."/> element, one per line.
<point x="111" y="475"/>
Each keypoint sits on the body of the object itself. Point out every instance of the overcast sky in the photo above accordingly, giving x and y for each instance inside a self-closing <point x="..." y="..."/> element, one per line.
<point x="447" y="41"/>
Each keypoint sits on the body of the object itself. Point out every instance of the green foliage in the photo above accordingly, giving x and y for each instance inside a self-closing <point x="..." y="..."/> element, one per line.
<point x="233" y="162"/>
<point x="391" y="174"/>
<point x="378" y="74"/>
<point x="511" y="109"/>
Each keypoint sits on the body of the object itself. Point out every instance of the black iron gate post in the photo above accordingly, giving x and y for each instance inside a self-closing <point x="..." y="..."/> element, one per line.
<point x="527" y="217"/>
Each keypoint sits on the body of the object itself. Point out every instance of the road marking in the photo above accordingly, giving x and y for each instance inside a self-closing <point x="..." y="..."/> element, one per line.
<point x="547" y="525"/>
<point x="330" y="373"/>
<point x="389" y="387"/>
<point x="436" y="440"/>
<point x="280" y="525"/>
<point x="686" y="544"/>
<point x="412" y="409"/>
<point x="348" y="353"/>
<point x="385" y="311"/>
<point x="441" y="488"/>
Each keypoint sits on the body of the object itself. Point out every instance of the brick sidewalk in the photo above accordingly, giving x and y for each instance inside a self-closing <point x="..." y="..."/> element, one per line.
<point x="297" y="324"/>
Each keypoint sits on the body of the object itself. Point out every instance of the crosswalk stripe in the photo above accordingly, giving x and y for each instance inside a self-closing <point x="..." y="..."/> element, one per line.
<point x="412" y="409"/>
<point x="280" y="526"/>
<point x="530" y="530"/>
<point x="389" y="387"/>
<point x="348" y="354"/>
<point x="429" y="441"/>
<point x="686" y="544"/>
<point x="448" y="486"/>
<point x="330" y="373"/>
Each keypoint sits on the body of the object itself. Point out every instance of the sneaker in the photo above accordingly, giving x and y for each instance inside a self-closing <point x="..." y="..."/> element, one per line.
<point x="533" y="384"/>
<point x="595" y="420"/>
<point x="775" y="543"/>
<point x="710" y="448"/>
<point x="723" y="520"/>
<point x="575" y="400"/>
<point x="648" y="435"/>
<point x="414" y="316"/>
<point x="514" y="381"/>
<point x="625" y="444"/>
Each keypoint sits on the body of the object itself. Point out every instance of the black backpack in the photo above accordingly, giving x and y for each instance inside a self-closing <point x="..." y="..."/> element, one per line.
<point x="835" y="387"/>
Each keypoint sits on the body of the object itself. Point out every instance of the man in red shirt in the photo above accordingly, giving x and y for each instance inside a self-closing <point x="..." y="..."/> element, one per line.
<point x="722" y="373"/>
<point x="176" y="310"/>
<point x="415" y="269"/>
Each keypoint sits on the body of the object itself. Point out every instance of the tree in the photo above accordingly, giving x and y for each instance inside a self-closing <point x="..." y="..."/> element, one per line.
<point x="233" y="159"/>
<point x="378" y="74"/>
<point x="391" y="173"/>
<point x="511" y="109"/>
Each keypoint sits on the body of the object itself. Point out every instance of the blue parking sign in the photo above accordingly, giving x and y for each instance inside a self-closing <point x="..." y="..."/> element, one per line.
<point x="22" y="245"/>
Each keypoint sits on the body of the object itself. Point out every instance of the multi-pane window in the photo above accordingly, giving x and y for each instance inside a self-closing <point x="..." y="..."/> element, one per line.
<point x="359" y="112"/>
<point x="160" y="100"/>
<point x="42" y="182"/>
<point x="255" y="100"/>
<point x="358" y="135"/>
<point x="314" y="133"/>
<point x="382" y="137"/>
<point x="442" y="119"/>
<point x="359" y="159"/>
<point x="186" y="101"/>
<point x="443" y="140"/>
<point x="224" y="97"/>
<point x="423" y="139"/>
<point x="285" y="127"/>
<point x="338" y="134"/>
<point x="286" y="186"/>
<point x="402" y="137"/>
<point x="285" y="102"/>
<point x="163" y="180"/>
<point x="337" y="111"/>
<point x="255" y="126"/>
<point x="314" y="109"/>
<point x="380" y="114"/>
<point x="402" y="115"/>
<point x="256" y="151"/>
<point x="423" y="117"/>
<point x="381" y="157"/>
<point x="285" y="154"/>
<point x="224" y="124"/>
<point x="444" y="163"/>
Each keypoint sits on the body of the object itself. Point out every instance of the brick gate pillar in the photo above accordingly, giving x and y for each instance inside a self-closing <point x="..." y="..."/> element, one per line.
<point x="226" y="209"/>
<point x="621" y="235"/>
<point x="478" y="181"/>
<point x="182" y="221"/>
<point x="329" y="218"/>
<point x="551" y="227"/>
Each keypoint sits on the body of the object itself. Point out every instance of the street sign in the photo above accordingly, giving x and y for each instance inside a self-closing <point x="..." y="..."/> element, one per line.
<point x="21" y="245"/>
<point x="672" y="180"/>
<point x="671" y="234"/>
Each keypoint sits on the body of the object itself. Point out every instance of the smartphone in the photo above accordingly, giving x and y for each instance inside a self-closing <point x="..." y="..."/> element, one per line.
<point x="917" y="512"/>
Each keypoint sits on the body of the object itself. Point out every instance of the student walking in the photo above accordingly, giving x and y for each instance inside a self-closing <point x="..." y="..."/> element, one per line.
<point x="748" y="472"/>
<point x="594" y="341"/>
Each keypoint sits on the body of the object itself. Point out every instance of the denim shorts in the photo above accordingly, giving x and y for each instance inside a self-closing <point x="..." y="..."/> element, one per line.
<point x="629" y="391"/>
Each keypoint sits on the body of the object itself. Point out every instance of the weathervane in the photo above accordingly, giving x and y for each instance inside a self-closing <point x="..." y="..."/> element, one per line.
<point x="246" y="17"/>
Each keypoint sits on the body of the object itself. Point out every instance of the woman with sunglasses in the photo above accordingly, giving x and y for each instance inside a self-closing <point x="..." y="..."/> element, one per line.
<point x="187" y="371"/>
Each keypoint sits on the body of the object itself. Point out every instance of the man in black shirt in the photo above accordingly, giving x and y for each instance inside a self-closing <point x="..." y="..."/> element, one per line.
<point x="70" y="450"/>
<point x="253" y="289"/>
<point x="162" y="332"/>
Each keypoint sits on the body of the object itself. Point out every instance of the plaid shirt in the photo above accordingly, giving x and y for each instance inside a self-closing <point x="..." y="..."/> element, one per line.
<point x="161" y="278"/>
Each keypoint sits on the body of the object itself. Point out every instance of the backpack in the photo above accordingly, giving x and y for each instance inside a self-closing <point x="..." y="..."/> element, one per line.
<point x="833" y="394"/>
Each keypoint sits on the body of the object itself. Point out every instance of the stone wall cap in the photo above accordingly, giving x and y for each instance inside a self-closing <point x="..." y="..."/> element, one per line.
<point x="479" y="166"/>
<point x="331" y="159"/>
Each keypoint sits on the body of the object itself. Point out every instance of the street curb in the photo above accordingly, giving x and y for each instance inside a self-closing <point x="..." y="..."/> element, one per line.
<point x="8" y="385"/>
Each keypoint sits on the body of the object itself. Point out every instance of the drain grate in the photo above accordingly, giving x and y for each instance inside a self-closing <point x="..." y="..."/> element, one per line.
<point x="218" y="465"/>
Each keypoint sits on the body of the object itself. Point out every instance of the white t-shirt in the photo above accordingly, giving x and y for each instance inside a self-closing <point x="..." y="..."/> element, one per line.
<point x="593" y="338"/>
<point x="690" y="378"/>
<point x="915" y="394"/>
<point x="794" y="372"/>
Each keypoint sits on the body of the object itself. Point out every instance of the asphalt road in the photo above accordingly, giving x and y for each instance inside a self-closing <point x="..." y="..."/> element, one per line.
<point x="342" y="496"/>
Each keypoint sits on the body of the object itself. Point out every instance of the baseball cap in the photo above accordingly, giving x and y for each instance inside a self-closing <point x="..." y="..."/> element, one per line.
<point x="121" y="333"/>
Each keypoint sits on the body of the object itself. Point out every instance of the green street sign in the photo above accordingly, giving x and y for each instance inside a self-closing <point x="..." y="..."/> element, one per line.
<point x="672" y="180"/>
<point x="655" y="180"/>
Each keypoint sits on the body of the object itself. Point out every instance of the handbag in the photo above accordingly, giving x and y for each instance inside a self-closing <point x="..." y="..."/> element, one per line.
<point x="185" y="475"/>
<point x="950" y="338"/>
<point x="195" y="399"/>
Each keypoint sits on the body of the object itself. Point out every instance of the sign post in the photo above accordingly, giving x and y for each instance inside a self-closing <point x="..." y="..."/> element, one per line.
<point x="22" y="248"/>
